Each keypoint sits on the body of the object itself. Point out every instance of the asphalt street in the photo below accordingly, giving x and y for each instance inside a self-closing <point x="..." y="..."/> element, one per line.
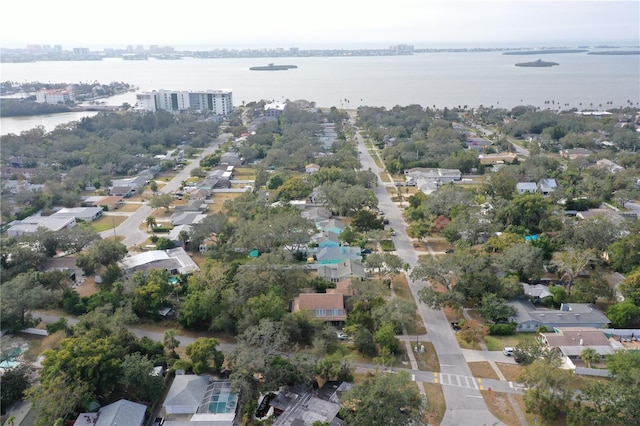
<point x="465" y="405"/>
<point x="130" y="228"/>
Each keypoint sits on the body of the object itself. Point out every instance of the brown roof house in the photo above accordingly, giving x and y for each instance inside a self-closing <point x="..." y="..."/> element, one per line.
<point x="322" y="306"/>
<point x="571" y="341"/>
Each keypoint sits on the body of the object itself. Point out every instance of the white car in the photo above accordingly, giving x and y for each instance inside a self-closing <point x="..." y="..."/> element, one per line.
<point x="508" y="351"/>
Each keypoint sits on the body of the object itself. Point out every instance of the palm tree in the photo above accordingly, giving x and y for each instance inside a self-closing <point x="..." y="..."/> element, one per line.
<point x="589" y="356"/>
<point x="151" y="223"/>
<point x="169" y="341"/>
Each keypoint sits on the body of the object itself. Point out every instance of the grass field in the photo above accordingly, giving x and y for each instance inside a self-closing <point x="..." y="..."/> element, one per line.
<point x="107" y="222"/>
<point x="427" y="360"/>
<point x="511" y="372"/>
<point x="497" y="343"/>
<point x="501" y="407"/>
<point x="436" y="405"/>
<point x="128" y="208"/>
<point x="219" y="198"/>
<point x="483" y="369"/>
<point x="244" y="173"/>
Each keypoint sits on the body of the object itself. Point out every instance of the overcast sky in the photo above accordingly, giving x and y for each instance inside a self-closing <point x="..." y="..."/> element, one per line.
<point x="304" y="23"/>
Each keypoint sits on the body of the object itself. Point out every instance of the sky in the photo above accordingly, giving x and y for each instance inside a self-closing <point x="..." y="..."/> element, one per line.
<point x="320" y="23"/>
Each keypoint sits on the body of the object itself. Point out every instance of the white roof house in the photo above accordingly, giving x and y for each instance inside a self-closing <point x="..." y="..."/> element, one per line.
<point x="87" y="214"/>
<point x="120" y="413"/>
<point x="175" y="260"/>
<point x="185" y="394"/>
<point x="32" y="223"/>
<point x="207" y="401"/>
<point x="523" y="187"/>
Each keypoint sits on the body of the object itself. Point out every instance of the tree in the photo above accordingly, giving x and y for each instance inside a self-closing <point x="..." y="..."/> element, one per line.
<point x="18" y="297"/>
<point x="151" y="223"/>
<point x="403" y="404"/>
<point x="211" y="229"/>
<point x="137" y="378"/>
<point x="523" y="259"/>
<point x="56" y="398"/>
<point x="493" y="308"/>
<point x="630" y="287"/>
<point x="363" y="341"/>
<point x="548" y="391"/>
<point x="335" y="368"/>
<point x="385" y="337"/>
<point x="529" y="211"/>
<point x="161" y="200"/>
<point x="589" y="356"/>
<point x="204" y="355"/>
<point x="14" y="382"/>
<point x="169" y="341"/>
<point x="623" y="314"/>
<point x="624" y="254"/>
<point x="571" y="262"/>
<point x="365" y="220"/>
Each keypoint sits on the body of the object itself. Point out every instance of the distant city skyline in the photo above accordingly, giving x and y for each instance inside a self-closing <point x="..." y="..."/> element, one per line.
<point x="330" y="24"/>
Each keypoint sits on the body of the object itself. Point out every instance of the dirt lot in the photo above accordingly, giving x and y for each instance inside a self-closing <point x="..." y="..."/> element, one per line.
<point x="511" y="372"/>
<point x="482" y="369"/>
<point x="500" y="407"/>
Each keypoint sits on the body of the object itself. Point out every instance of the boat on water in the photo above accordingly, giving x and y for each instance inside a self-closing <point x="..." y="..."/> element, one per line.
<point x="273" y="67"/>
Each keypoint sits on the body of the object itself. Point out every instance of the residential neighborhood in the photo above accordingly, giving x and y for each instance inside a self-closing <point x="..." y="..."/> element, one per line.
<point x="282" y="275"/>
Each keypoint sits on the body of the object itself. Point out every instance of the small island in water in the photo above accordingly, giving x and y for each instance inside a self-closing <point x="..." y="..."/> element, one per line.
<point x="273" y="67"/>
<point x="538" y="63"/>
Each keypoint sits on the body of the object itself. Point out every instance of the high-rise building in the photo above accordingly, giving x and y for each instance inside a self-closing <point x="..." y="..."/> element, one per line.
<point x="219" y="102"/>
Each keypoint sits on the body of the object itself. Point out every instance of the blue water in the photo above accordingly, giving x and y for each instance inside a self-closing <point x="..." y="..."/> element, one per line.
<point x="442" y="79"/>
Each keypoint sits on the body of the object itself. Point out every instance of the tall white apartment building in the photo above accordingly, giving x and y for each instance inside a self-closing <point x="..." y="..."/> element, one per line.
<point x="219" y="102"/>
<point x="55" y="96"/>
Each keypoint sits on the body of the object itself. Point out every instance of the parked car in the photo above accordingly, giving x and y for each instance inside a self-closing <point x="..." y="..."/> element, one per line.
<point x="449" y="251"/>
<point x="508" y="351"/>
<point x="365" y="251"/>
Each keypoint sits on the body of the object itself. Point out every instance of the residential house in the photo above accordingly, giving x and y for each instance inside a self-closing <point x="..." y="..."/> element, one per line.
<point x="609" y="165"/>
<point x="536" y="291"/>
<point x="85" y="214"/>
<point x="199" y="195"/>
<point x="343" y="287"/>
<point x="477" y="144"/>
<point x="322" y="306"/>
<point x="326" y="239"/>
<point x="337" y="272"/>
<point x="529" y="318"/>
<point x="191" y="206"/>
<point x="187" y="218"/>
<point x="547" y="185"/>
<point x="274" y="109"/>
<point x="311" y="168"/>
<point x="571" y="341"/>
<point x="433" y="174"/>
<point x="110" y="202"/>
<point x="66" y="264"/>
<point x="302" y="406"/>
<point x="231" y="158"/>
<point x="122" y="191"/>
<point x="316" y="213"/>
<point x="31" y="224"/>
<point x="174" y="260"/>
<point x="336" y="255"/>
<point x="611" y="215"/>
<point x="526" y="187"/>
<point x="574" y="153"/>
<point x="331" y="225"/>
<point x="327" y="135"/>
<point x="132" y="182"/>
<point x="200" y="400"/>
<point x="122" y="412"/>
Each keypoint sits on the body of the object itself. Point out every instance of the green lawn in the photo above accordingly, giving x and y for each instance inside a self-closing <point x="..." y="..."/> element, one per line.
<point x="107" y="222"/>
<point x="496" y="343"/>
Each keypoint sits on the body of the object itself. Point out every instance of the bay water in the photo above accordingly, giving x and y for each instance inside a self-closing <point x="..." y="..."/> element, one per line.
<point x="440" y="79"/>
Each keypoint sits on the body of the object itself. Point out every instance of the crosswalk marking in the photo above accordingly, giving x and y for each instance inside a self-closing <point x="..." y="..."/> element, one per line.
<point x="456" y="380"/>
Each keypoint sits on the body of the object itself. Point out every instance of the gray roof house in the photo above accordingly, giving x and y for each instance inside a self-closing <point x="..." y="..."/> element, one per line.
<point x="528" y="317"/>
<point x="523" y="187"/>
<point x="187" y="218"/>
<point x="200" y="400"/>
<point x="31" y="224"/>
<point x="338" y="254"/>
<point x="536" y="291"/>
<point x="436" y="175"/>
<point x="547" y="185"/>
<point x="120" y="413"/>
<point x="339" y="271"/>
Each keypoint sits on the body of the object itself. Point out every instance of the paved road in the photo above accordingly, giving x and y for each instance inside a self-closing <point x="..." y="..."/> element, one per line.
<point x="460" y="382"/>
<point x="465" y="405"/>
<point x="130" y="228"/>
